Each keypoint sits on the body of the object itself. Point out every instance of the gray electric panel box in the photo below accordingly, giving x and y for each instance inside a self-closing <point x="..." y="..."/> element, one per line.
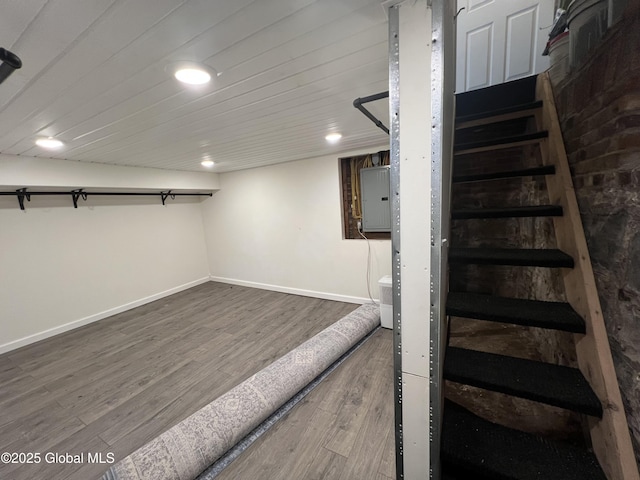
<point x="376" y="204"/>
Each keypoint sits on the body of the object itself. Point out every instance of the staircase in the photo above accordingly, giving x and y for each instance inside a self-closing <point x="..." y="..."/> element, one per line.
<point x="522" y="115"/>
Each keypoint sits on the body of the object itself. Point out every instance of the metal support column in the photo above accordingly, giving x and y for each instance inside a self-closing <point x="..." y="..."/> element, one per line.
<point x="442" y="131"/>
<point x="421" y="101"/>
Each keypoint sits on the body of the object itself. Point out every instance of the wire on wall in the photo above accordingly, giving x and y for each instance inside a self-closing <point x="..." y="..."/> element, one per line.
<point x="368" y="263"/>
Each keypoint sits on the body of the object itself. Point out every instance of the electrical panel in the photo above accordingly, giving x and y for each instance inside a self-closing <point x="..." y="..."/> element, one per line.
<point x="375" y="198"/>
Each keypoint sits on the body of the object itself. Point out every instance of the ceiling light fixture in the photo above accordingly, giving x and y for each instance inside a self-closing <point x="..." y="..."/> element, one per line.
<point x="193" y="75"/>
<point x="333" y="137"/>
<point x="50" y="143"/>
<point x="207" y="163"/>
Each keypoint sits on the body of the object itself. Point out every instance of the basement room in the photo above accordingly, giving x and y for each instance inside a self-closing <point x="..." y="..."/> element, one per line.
<point x="319" y="239"/>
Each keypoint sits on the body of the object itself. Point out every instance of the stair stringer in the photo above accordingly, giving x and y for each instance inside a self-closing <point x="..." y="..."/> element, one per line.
<point x="610" y="436"/>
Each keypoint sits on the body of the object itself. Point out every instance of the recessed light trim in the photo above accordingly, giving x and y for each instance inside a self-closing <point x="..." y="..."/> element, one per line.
<point x="207" y="163"/>
<point x="193" y="75"/>
<point x="333" y="137"/>
<point x="49" y="143"/>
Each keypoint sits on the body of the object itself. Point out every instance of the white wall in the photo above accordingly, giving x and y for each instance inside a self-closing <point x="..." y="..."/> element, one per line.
<point x="62" y="267"/>
<point x="280" y="227"/>
<point x="21" y="171"/>
<point x="275" y="227"/>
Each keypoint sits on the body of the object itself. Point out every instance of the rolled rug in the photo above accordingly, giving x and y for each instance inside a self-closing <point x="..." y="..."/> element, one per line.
<point x="188" y="448"/>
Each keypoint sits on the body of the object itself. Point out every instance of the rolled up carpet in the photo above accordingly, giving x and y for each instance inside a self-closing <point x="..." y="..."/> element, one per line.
<point x="188" y="448"/>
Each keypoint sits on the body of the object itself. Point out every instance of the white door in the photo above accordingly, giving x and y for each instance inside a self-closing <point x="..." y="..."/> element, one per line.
<point x="501" y="40"/>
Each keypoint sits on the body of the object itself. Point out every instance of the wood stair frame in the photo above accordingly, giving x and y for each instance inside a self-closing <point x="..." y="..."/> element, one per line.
<point x="473" y="447"/>
<point x="610" y="435"/>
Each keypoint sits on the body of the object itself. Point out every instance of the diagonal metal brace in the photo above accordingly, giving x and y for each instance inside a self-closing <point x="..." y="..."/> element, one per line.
<point x="165" y="195"/>
<point x="22" y="194"/>
<point x="76" y="194"/>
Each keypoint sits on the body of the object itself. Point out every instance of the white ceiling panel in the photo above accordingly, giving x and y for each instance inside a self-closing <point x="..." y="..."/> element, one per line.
<point x="97" y="74"/>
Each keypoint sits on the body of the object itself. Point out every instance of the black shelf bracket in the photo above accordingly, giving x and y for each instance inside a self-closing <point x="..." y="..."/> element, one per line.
<point x="76" y="194"/>
<point x="22" y="194"/>
<point x="165" y="195"/>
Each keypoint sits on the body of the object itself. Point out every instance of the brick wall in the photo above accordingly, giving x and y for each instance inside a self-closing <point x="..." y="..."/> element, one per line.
<point x="599" y="109"/>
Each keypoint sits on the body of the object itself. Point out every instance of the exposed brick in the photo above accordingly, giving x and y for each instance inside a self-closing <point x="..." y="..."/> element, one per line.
<point x="597" y="120"/>
<point x="597" y="179"/>
<point x="624" y="178"/>
<point x="612" y="71"/>
<point x="567" y="124"/>
<point x="629" y="141"/>
<point x="600" y="148"/>
<point x="604" y="163"/>
<point x="629" y="102"/>
<point x="599" y="111"/>
<point x="628" y="121"/>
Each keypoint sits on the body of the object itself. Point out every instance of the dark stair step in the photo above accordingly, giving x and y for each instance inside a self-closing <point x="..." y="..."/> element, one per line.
<point x="496" y="97"/>
<point x="555" y="385"/>
<point x="524" y="257"/>
<point x="494" y="112"/>
<point x="543" y="170"/>
<point x="501" y="141"/>
<point x="532" y="313"/>
<point x="508" y="212"/>
<point x="446" y="475"/>
<point x="482" y="449"/>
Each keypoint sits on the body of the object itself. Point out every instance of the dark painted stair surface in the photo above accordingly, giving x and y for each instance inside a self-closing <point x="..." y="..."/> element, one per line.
<point x="499" y="111"/>
<point x="495" y="142"/>
<point x="542" y="382"/>
<point x="523" y="257"/>
<point x="524" y="172"/>
<point x="508" y="212"/>
<point x="496" y="98"/>
<point x="474" y="448"/>
<point x="533" y="313"/>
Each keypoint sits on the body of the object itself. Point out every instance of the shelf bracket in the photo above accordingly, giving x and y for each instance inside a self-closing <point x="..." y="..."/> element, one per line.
<point x="165" y="195"/>
<point x="22" y="194"/>
<point x="76" y="194"/>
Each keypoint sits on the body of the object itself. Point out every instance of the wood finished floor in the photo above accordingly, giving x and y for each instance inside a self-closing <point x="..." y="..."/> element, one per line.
<point x="113" y="385"/>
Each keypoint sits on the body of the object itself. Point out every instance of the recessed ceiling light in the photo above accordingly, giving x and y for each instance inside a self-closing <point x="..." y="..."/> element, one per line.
<point x="207" y="163"/>
<point x="193" y="75"/>
<point x="51" y="143"/>
<point x="333" y="137"/>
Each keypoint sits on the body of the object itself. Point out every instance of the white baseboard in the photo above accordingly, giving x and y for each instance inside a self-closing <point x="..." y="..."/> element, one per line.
<point x="294" y="291"/>
<point x="7" y="347"/>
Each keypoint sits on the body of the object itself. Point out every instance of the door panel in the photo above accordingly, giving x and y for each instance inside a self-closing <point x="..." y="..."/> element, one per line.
<point x="478" y="59"/>
<point x="500" y="40"/>
<point x="520" y="44"/>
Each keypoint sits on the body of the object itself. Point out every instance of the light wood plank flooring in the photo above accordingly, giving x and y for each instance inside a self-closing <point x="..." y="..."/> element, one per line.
<point x="342" y="430"/>
<point x="113" y="385"/>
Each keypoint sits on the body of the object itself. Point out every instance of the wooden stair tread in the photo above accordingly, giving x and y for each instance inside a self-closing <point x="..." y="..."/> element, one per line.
<point x="497" y="113"/>
<point x="555" y="385"/>
<point x="532" y="313"/>
<point x="524" y="257"/>
<point x="524" y="172"/>
<point x="500" y="142"/>
<point x="482" y="449"/>
<point x="496" y="97"/>
<point x="508" y="212"/>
